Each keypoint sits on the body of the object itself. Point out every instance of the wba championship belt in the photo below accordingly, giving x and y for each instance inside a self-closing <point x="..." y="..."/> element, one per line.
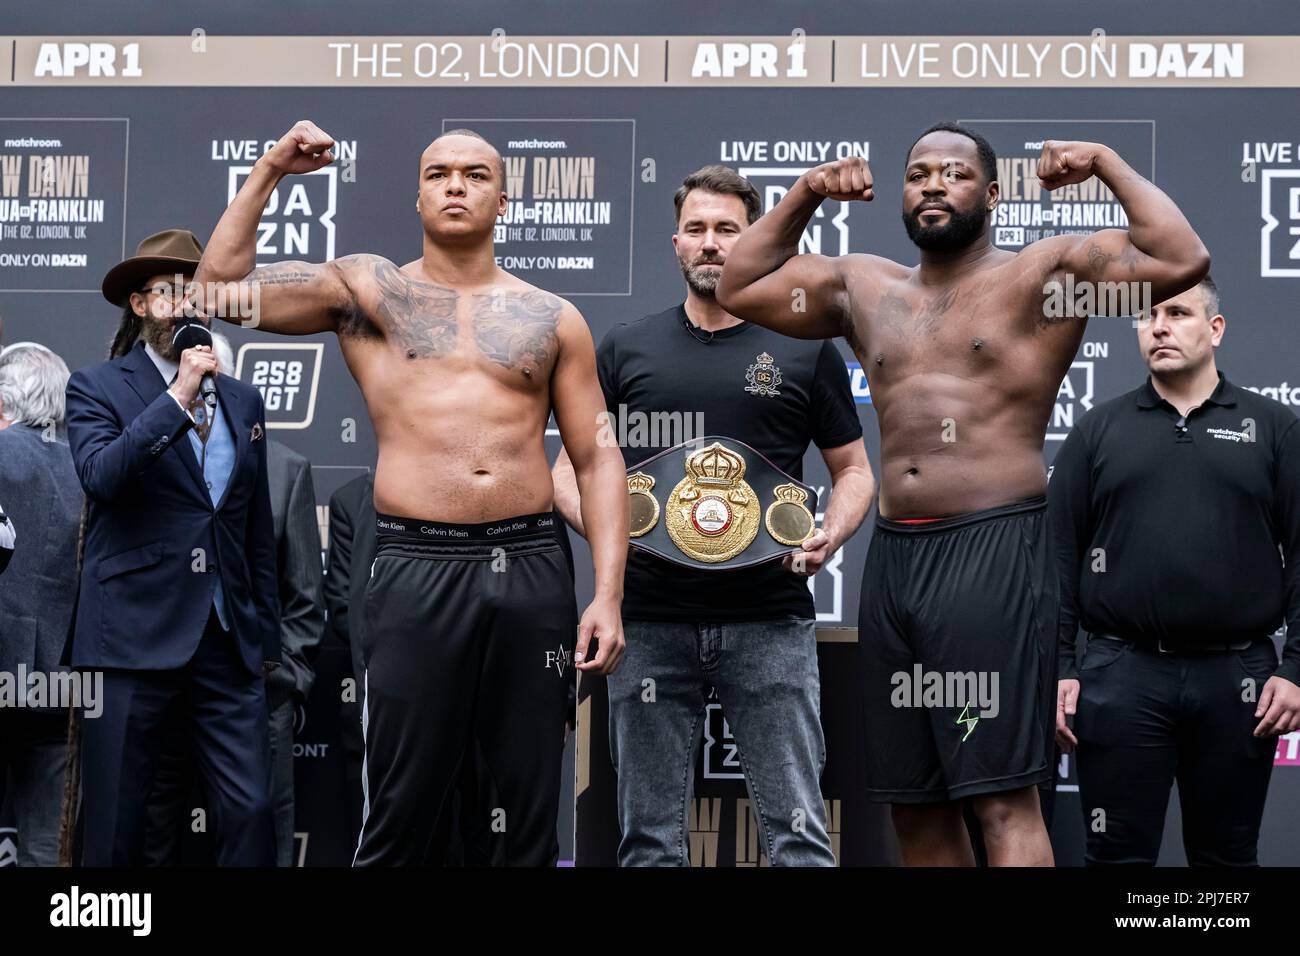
<point x="715" y="503"/>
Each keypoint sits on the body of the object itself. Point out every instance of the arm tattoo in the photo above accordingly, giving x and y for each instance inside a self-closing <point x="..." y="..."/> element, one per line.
<point x="288" y="276"/>
<point x="1099" y="259"/>
<point x="284" y="273"/>
<point x="517" y="330"/>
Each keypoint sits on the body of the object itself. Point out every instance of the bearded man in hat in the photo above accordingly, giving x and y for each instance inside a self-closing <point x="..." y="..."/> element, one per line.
<point x="178" y="603"/>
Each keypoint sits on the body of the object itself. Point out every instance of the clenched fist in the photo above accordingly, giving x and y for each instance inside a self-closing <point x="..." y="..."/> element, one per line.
<point x="844" y="179"/>
<point x="1062" y="164"/>
<point x="304" y="149"/>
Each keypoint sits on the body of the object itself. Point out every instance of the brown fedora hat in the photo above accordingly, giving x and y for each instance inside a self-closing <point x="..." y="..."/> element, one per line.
<point x="168" y="252"/>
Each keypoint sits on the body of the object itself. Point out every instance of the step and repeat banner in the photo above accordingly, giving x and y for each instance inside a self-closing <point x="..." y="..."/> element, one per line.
<point x="105" y="139"/>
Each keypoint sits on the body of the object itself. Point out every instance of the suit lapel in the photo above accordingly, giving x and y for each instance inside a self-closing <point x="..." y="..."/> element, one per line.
<point x="233" y="409"/>
<point x="145" y="380"/>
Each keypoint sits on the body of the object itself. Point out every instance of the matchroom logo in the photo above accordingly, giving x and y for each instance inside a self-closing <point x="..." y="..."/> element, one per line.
<point x="62" y="200"/>
<point x="569" y="186"/>
<point x="287" y="375"/>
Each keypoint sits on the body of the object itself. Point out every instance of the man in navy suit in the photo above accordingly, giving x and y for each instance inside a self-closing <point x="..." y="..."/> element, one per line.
<point x="178" y="601"/>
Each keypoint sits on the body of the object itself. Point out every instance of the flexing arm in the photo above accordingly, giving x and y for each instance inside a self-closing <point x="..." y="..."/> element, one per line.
<point x="295" y="298"/>
<point x="1159" y="247"/>
<point x="766" y="282"/>
<point x="602" y="486"/>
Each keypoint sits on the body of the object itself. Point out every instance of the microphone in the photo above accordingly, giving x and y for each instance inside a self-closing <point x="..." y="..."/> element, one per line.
<point x="187" y="336"/>
<point x="697" y="333"/>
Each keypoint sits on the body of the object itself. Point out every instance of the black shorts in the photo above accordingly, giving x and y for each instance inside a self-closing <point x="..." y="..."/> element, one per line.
<point x="468" y="644"/>
<point x="957" y="626"/>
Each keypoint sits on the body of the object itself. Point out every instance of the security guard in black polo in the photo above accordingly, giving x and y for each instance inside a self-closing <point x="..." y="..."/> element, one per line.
<point x="1175" y="511"/>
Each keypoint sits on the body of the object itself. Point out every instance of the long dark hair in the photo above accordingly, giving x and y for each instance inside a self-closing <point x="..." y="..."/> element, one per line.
<point x="128" y="330"/>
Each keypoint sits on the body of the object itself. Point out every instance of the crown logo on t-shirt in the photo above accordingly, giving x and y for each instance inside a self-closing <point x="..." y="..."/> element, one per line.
<point x="763" y="377"/>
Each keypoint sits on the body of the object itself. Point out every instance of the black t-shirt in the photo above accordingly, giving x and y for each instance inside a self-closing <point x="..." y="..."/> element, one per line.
<point x="663" y="385"/>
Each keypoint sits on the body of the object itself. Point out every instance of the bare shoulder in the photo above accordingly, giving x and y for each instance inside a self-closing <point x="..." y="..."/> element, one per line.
<point x="360" y="269"/>
<point x="862" y="270"/>
<point x="864" y="263"/>
<point x="369" y="272"/>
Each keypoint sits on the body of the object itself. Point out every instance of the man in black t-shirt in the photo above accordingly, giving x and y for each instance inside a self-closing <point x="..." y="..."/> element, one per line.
<point x="690" y="371"/>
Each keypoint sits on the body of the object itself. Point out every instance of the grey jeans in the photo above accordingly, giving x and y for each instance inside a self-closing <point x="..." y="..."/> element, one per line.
<point x="765" y="675"/>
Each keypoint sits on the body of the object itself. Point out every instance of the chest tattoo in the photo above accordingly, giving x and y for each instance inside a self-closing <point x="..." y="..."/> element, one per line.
<point x="419" y="317"/>
<point x="517" y="330"/>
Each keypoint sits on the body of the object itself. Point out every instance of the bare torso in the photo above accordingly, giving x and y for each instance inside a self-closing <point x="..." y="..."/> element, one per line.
<point x="963" y="377"/>
<point x="457" y="382"/>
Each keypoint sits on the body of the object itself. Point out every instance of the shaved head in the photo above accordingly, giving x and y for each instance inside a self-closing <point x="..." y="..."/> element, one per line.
<point x="498" y="162"/>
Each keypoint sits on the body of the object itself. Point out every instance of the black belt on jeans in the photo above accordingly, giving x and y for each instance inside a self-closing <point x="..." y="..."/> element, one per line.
<point x="1160" y="647"/>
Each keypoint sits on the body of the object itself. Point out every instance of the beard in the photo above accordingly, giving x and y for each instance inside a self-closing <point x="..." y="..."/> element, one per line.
<point x="703" y="282"/>
<point x="957" y="233"/>
<point x="158" y="334"/>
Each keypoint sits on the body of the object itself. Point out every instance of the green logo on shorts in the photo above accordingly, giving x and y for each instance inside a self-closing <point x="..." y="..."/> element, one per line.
<point x="963" y="719"/>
